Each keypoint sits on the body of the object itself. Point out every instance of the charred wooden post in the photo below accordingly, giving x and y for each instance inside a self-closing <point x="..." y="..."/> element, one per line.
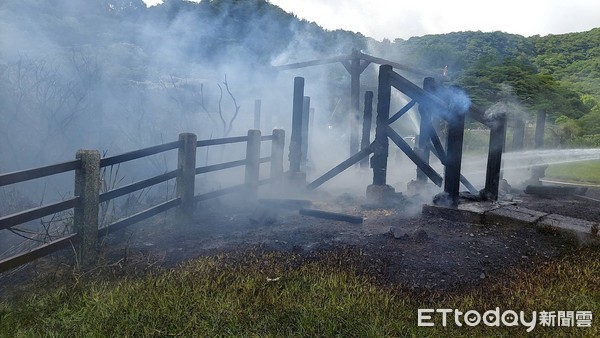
<point x="257" y="104"/>
<point x="355" y="72"/>
<point x="331" y="215"/>
<point x="366" y="127"/>
<point x="252" y="162"/>
<point x="539" y="129"/>
<point x="423" y="147"/>
<point x="295" y="154"/>
<point x="518" y="134"/>
<point x="277" y="149"/>
<point x="185" y="182"/>
<point x="494" y="162"/>
<point x="305" y="122"/>
<point x="381" y="143"/>
<point x="85" y="217"/>
<point x="456" y="128"/>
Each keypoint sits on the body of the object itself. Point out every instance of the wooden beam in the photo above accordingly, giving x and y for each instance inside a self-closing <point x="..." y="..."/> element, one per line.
<point x="396" y="65"/>
<point x="317" y="62"/>
<point x="425" y="167"/>
<point x="339" y="168"/>
<point x="381" y="143"/>
<point x="402" y="111"/>
<point x="363" y="65"/>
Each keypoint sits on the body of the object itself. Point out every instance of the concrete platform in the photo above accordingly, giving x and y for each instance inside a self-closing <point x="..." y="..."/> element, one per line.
<point x="494" y="213"/>
<point x="473" y="212"/>
<point x="513" y="214"/>
<point x="575" y="225"/>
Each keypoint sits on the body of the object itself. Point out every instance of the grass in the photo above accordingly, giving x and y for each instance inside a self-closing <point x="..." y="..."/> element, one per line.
<point x="231" y="296"/>
<point x="586" y="171"/>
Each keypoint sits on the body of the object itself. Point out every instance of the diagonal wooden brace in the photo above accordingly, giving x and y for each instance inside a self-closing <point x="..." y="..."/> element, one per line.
<point x="426" y="168"/>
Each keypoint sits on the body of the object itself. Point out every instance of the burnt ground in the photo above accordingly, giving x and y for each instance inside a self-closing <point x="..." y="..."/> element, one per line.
<point x="396" y="245"/>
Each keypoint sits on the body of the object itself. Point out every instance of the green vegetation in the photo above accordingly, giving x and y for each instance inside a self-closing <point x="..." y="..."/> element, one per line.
<point x="587" y="171"/>
<point x="232" y="296"/>
<point x="556" y="73"/>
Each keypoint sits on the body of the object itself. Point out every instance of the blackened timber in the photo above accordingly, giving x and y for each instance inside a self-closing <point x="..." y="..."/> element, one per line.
<point x="138" y="217"/>
<point x="423" y="147"/>
<point x="381" y="144"/>
<point x="219" y="193"/>
<point x="305" y="119"/>
<point x="405" y="147"/>
<point x="286" y="203"/>
<point x="402" y="111"/>
<point x="132" y="155"/>
<point x="35" y="213"/>
<point x="217" y="141"/>
<point x="339" y="168"/>
<point x="363" y="65"/>
<point x="354" y="103"/>
<point x="335" y="59"/>
<point x="366" y="127"/>
<point x="30" y="174"/>
<point x="439" y="152"/>
<point x="396" y="65"/>
<point x="456" y="128"/>
<point x="360" y="55"/>
<point x="41" y="251"/>
<point x="436" y="105"/>
<point x="127" y="189"/>
<point x="478" y="115"/>
<point x="295" y="154"/>
<point x="494" y="162"/>
<point x="220" y="166"/>
<point x="331" y="215"/>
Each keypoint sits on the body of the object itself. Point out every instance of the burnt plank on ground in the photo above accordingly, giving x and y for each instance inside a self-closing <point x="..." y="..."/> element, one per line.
<point x="285" y="203"/>
<point x="331" y="215"/>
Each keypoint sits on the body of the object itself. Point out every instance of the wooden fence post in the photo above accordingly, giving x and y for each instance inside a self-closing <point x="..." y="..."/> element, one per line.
<point x="295" y="155"/>
<point x="380" y="151"/>
<point x="366" y="127"/>
<point x="379" y="191"/>
<point x="252" y="162"/>
<point x="277" y="150"/>
<point x="85" y="218"/>
<point x="494" y="161"/>
<point x="423" y="140"/>
<point x="186" y="161"/>
<point x="456" y="129"/>
<point x="304" y="145"/>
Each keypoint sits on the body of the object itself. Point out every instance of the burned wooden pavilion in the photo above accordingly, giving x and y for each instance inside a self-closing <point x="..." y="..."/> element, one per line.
<point x="434" y="100"/>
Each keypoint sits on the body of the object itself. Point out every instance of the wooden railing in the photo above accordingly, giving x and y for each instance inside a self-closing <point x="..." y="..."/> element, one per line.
<point x="87" y="199"/>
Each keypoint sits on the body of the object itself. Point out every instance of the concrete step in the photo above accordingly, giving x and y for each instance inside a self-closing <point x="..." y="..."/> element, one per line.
<point x="493" y="213"/>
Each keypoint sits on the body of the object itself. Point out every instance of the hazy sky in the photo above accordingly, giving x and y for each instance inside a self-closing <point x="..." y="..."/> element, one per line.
<point x="405" y="18"/>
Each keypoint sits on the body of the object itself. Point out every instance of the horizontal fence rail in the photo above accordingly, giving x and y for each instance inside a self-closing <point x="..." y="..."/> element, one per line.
<point x="138" y="217"/>
<point x="132" y="155"/>
<point x="127" y="189"/>
<point x="31" y="174"/>
<point x="219" y="193"/>
<point x="41" y="251"/>
<point x="220" y="166"/>
<point x="217" y="141"/>
<point x="35" y="213"/>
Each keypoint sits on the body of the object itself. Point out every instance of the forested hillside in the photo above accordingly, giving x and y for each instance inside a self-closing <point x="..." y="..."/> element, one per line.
<point x="76" y="73"/>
